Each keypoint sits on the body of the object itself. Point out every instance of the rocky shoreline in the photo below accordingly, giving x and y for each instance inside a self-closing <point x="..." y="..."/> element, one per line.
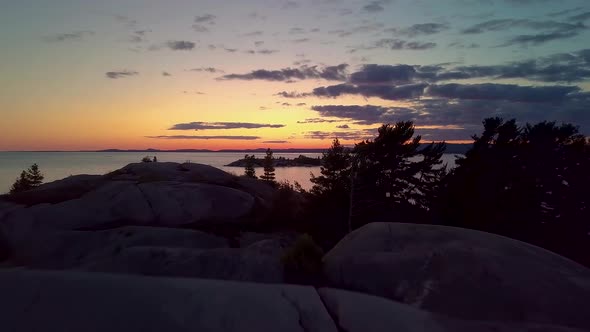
<point x="179" y="247"/>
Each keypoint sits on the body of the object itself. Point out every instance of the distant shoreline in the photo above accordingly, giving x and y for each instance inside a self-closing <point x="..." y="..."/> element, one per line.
<point x="451" y="148"/>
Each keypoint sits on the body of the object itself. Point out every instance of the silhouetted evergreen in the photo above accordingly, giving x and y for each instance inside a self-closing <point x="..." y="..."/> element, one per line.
<point x="395" y="179"/>
<point x="334" y="170"/>
<point x="249" y="170"/>
<point x="328" y="201"/>
<point x="390" y="178"/>
<point x="530" y="183"/>
<point x="269" y="170"/>
<point x="28" y="179"/>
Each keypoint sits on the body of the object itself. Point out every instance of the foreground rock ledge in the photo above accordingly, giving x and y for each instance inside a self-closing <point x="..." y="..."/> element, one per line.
<point x="66" y="301"/>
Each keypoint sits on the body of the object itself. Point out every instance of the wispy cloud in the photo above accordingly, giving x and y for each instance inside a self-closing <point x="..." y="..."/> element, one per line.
<point x="214" y="137"/>
<point x="399" y="44"/>
<point x="253" y="33"/>
<point x="121" y="74"/>
<point x="212" y="70"/>
<point x="376" y="6"/>
<point x="201" y="22"/>
<point x="261" y="51"/>
<point x="318" y="120"/>
<point x="71" y="36"/>
<point x="422" y="29"/>
<point x="180" y="45"/>
<point x="127" y="21"/>
<point x="304" y="72"/>
<point x="222" y="125"/>
<point x="206" y="18"/>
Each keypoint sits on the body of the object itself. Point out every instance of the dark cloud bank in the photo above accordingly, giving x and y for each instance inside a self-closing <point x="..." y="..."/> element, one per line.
<point x="435" y="96"/>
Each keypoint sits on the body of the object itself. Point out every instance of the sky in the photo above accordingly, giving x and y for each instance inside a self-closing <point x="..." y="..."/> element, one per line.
<point x="178" y="74"/>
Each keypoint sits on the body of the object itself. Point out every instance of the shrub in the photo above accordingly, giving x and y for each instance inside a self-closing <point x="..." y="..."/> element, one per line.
<point x="287" y="208"/>
<point x="303" y="261"/>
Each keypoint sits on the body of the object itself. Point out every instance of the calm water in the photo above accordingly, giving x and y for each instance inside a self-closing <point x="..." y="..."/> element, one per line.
<point x="58" y="165"/>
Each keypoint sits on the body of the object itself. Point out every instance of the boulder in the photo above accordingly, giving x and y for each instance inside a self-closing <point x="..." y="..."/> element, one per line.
<point x="259" y="262"/>
<point x="66" y="301"/>
<point x="355" y="312"/>
<point x="461" y="273"/>
<point x="72" y="249"/>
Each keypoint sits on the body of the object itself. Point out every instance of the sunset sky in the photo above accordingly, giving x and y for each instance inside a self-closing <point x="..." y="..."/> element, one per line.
<point x="134" y="74"/>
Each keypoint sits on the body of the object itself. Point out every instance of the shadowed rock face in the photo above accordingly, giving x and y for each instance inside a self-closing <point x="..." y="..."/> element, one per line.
<point x="461" y="273"/>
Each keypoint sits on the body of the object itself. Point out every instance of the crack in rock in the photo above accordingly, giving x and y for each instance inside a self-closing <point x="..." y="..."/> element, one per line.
<point x="333" y="315"/>
<point x="296" y="307"/>
<point x="149" y="203"/>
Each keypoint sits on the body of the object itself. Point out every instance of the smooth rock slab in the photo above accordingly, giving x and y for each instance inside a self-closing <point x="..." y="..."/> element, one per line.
<point x="260" y="262"/>
<point x="461" y="273"/>
<point x="355" y="312"/>
<point x="65" y="301"/>
<point x="176" y="203"/>
<point x="71" y="249"/>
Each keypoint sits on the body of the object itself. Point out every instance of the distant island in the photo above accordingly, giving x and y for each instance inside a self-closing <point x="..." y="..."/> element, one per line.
<point x="451" y="148"/>
<point x="301" y="161"/>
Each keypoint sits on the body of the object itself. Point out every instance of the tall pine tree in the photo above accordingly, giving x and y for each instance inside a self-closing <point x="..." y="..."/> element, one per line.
<point x="269" y="169"/>
<point x="335" y="171"/>
<point x="249" y="170"/>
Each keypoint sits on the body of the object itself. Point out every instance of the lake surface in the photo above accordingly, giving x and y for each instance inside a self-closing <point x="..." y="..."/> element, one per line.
<point x="58" y="165"/>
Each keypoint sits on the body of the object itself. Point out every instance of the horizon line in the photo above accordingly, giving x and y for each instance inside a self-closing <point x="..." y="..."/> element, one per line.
<point x="194" y="150"/>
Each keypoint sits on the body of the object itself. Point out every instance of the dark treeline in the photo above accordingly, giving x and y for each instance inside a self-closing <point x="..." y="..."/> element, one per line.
<point x="531" y="183"/>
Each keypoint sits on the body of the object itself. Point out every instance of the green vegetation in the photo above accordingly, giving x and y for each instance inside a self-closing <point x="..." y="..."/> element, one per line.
<point x="28" y="179"/>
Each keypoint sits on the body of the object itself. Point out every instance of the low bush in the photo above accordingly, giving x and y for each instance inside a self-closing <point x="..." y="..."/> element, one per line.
<point x="303" y="261"/>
